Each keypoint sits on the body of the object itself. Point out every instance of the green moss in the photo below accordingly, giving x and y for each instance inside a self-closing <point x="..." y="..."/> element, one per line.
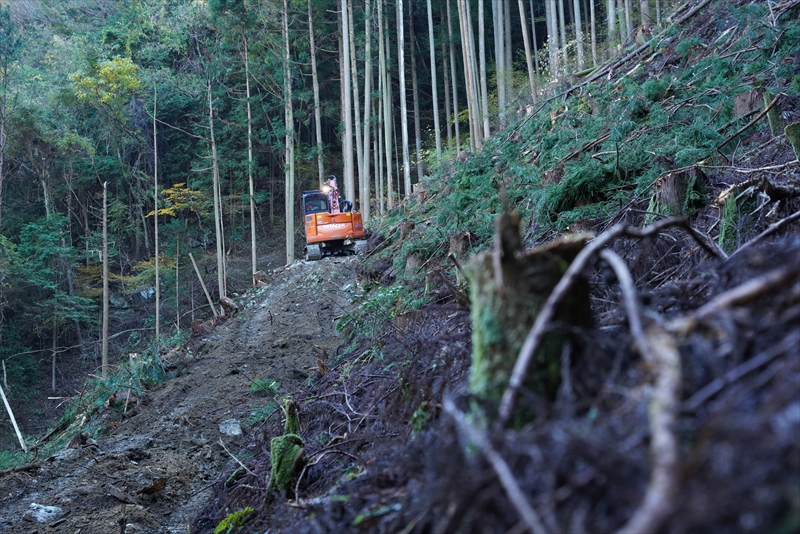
<point x="287" y="453"/>
<point x="728" y="223"/>
<point x="234" y="521"/>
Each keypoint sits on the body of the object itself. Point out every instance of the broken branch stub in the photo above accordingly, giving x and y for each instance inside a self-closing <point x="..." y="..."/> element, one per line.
<point x="507" y="291"/>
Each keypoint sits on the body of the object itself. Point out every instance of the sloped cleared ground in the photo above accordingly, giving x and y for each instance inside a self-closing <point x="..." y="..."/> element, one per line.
<point x="174" y="431"/>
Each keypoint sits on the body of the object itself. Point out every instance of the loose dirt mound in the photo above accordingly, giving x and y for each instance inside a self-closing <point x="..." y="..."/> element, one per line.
<point x="174" y="435"/>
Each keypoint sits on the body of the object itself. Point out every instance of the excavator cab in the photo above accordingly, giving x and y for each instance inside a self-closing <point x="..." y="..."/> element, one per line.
<point x="314" y="202"/>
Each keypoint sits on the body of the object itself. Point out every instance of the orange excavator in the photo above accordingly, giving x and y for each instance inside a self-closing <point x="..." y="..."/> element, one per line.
<point x="332" y="227"/>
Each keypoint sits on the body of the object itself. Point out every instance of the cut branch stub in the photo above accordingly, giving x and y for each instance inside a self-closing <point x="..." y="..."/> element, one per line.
<point x="507" y="291"/>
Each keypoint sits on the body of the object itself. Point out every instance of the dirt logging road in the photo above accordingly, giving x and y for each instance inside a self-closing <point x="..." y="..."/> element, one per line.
<point x="155" y="466"/>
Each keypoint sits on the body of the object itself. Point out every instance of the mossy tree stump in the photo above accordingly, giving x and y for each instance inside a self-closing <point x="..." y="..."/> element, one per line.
<point x="287" y="453"/>
<point x="507" y="292"/>
<point x="792" y="132"/>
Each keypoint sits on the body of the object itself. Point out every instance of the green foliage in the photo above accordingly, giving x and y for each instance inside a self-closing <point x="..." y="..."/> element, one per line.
<point x="685" y="46"/>
<point x="264" y="387"/>
<point x="368" y="318"/>
<point x="234" y="521"/>
<point x="108" y="81"/>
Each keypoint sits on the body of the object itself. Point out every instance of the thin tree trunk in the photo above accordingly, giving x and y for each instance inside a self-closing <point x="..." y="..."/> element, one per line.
<point x="447" y="106"/>
<point x="347" y="109"/>
<point x="658" y="13"/>
<point x="217" y="199"/>
<point x="379" y="159"/>
<point x="578" y="20"/>
<point x="317" y="106"/>
<point x="470" y="73"/>
<point x="289" y="149"/>
<point x="509" y="59"/>
<point x="383" y="52"/>
<point x="563" y="32"/>
<point x="253" y="259"/>
<point x="644" y="11"/>
<point x="412" y="39"/>
<point x="482" y="56"/>
<point x="360" y="152"/>
<point x="593" y="24"/>
<point x="628" y="18"/>
<point x="498" y="21"/>
<point x="104" y="336"/>
<point x="177" y="287"/>
<point x="454" y="76"/>
<point x="3" y="141"/>
<point x="475" y="73"/>
<point x="612" y="25"/>
<point x="155" y="217"/>
<point x="623" y="31"/>
<point x="552" y="37"/>
<point x="434" y="84"/>
<point x="54" y="350"/>
<point x="468" y="84"/>
<point x="535" y="40"/>
<point x="365" y="176"/>
<point x="401" y="61"/>
<point x="526" y="39"/>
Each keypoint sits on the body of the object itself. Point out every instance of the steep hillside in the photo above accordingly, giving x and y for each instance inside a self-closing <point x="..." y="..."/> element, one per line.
<point x="674" y="408"/>
<point x="656" y="388"/>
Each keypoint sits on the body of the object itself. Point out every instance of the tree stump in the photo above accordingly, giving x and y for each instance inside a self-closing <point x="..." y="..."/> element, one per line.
<point x="507" y="292"/>
<point x="460" y="244"/>
<point x="287" y="453"/>
<point x="674" y="193"/>
<point x="792" y="132"/>
<point x="747" y="102"/>
<point x="773" y="116"/>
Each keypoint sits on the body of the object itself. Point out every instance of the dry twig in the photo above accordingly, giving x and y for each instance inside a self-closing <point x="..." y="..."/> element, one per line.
<point x="768" y="232"/>
<point x="631" y="302"/>
<point x="507" y="480"/>
<point x="741" y="294"/>
<point x="658" y="500"/>
<point x="715" y="386"/>
<point x="659" y="349"/>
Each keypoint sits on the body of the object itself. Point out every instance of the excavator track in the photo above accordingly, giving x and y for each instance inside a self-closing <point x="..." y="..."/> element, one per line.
<point x="313" y="252"/>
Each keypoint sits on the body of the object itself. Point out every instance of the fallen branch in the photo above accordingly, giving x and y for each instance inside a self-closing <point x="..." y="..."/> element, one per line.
<point x="768" y="232"/>
<point x="540" y="326"/>
<point x="631" y="302"/>
<point x="789" y="345"/>
<point x="741" y="294"/>
<point x="22" y="468"/>
<point x="659" y="350"/>
<point x="507" y="480"/>
<point x="752" y="122"/>
<point x="13" y="421"/>
<point x="658" y="501"/>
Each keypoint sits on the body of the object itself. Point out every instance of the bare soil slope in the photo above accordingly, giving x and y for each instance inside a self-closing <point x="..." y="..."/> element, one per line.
<point x="173" y="435"/>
